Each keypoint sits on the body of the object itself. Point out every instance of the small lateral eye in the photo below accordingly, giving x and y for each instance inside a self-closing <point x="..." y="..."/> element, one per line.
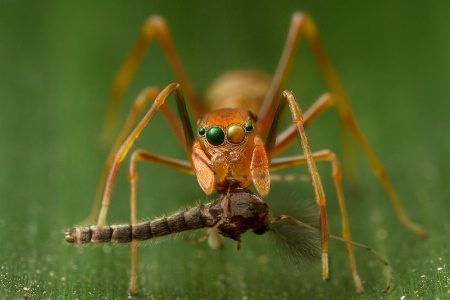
<point x="215" y="136"/>
<point x="248" y="127"/>
<point x="235" y="134"/>
<point x="202" y="131"/>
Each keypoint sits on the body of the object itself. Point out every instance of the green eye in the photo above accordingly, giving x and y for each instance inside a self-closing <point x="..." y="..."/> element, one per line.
<point x="248" y="127"/>
<point x="215" y="136"/>
<point x="201" y="131"/>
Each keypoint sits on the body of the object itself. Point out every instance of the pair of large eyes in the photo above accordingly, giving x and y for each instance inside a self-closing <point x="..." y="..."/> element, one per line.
<point x="216" y="136"/>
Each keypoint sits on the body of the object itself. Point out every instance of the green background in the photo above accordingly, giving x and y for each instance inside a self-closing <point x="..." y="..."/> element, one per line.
<point x="57" y="60"/>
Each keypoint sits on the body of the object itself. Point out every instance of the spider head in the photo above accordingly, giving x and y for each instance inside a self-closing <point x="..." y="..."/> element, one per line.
<point x="226" y="129"/>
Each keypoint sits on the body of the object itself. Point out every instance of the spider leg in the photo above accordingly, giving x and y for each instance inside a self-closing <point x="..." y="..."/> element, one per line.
<point x="285" y="138"/>
<point x="139" y="104"/>
<point x="303" y="25"/>
<point x="154" y="27"/>
<point x="137" y="155"/>
<point x="120" y="151"/>
<point x="126" y="145"/>
<point x="379" y="257"/>
<point x="336" y="174"/>
<point x="297" y="119"/>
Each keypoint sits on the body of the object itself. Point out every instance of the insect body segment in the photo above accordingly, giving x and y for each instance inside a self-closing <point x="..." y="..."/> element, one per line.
<point x="228" y="148"/>
<point x="246" y="212"/>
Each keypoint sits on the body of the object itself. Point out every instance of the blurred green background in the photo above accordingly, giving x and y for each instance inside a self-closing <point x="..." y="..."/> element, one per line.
<point x="57" y="60"/>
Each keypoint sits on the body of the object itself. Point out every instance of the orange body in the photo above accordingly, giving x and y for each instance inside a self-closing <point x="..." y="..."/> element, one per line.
<point x="229" y="152"/>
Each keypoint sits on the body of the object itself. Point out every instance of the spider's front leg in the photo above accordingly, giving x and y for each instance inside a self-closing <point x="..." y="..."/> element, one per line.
<point x="155" y="27"/>
<point x="126" y="145"/>
<point x="309" y="159"/>
<point x="122" y="151"/>
<point x="303" y="25"/>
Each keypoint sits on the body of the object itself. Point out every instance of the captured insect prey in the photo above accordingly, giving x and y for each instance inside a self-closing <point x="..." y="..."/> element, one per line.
<point x="246" y="211"/>
<point x="236" y="145"/>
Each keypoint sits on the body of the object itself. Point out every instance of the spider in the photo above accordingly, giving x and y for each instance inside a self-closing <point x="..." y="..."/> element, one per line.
<point x="236" y="142"/>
